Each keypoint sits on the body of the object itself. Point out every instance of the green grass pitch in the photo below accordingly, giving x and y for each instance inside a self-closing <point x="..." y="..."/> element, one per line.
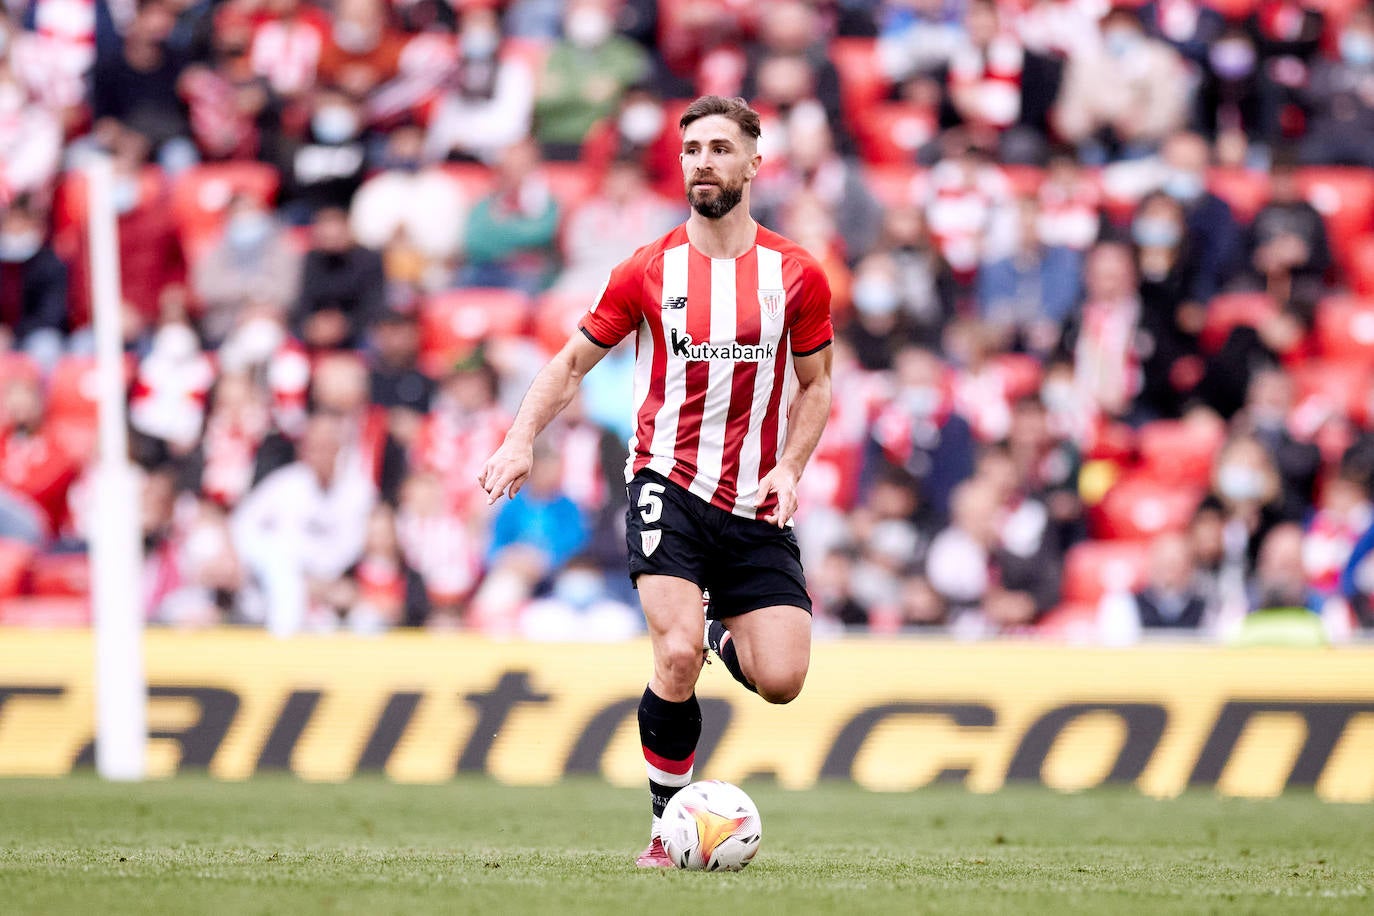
<point x="193" y="845"/>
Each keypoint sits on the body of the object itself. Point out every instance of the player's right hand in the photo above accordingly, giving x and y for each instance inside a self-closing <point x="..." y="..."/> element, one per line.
<point x="506" y="470"/>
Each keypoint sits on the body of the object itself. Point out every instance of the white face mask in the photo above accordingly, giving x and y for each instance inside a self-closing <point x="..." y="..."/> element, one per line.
<point x="588" y="28"/>
<point x="334" y="124"/>
<point x="1240" y="483"/>
<point x="641" y="122"/>
<point x="18" y="247"/>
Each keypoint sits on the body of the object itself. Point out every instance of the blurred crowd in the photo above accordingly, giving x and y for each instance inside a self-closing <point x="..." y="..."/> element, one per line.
<point x="1102" y="361"/>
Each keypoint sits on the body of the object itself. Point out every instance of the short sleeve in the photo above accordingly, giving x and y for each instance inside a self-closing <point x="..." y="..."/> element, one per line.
<point x="616" y="311"/>
<point x="811" y="328"/>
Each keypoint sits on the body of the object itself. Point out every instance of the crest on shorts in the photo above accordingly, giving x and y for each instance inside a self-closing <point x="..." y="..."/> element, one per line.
<point x="771" y="301"/>
<point x="649" y="540"/>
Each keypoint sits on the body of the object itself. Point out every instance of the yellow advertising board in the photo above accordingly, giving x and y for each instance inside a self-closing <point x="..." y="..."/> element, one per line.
<point x="891" y="715"/>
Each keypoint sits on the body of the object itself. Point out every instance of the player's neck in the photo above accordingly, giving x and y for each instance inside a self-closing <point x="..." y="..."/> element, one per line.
<point x="728" y="237"/>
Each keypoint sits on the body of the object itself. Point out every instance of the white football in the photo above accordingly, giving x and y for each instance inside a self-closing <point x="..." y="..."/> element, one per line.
<point x="711" y="826"/>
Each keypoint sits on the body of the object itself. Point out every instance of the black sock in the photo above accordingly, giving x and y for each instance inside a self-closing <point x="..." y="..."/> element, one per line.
<point x="718" y="638"/>
<point x="668" y="733"/>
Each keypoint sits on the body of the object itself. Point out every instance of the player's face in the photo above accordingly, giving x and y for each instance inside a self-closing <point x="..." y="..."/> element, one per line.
<point x="717" y="161"/>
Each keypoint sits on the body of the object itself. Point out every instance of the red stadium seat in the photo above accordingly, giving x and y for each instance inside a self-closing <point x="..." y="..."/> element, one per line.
<point x="1234" y="10"/>
<point x="1113" y="442"/>
<point x="201" y="194"/>
<point x="1343" y="384"/>
<point x="1141" y="506"/>
<point x="1069" y="622"/>
<point x="570" y="182"/>
<point x="66" y="574"/>
<point x="475" y="180"/>
<point x="1230" y="310"/>
<point x="1180" y="451"/>
<point x="862" y="81"/>
<point x="49" y="611"/>
<point x="15" y="559"/>
<point x="1345" y="328"/>
<point x="1345" y="198"/>
<point x="894" y="185"/>
<point x="1021" y="374"/>
<point x="452" y="323"/>
<point x="1025" y="180"/>
<point x="1093" y="568"/>
<point x="1361" y="273"/>
<point x="72" y="390"/>
<point x="555" y="317"/>
<point x="890" y="132"/>
<point x="1246" y="190"/>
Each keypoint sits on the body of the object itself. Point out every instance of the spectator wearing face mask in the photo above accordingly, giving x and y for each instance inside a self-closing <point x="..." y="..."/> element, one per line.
<point x="251" y="264"/>
<point x="1266" y="417"/>
<point x="1166" y="264"/>
<point x="584" y="76"/>
<point x="489" y="102"/>
<point x="1190" y="27"/>
<point x="363" y="49"/>
<point x="1028" y="294"/>
<point x="342" y="287"/>
<point x="1124" y="99"/>
<point x="640" y="129"/>
<point x="1230" y="103"/>
<point x="325" y="167"/>
<point x="33" y="287"/>
<point x="1213" y="235"/>
<point x="1340" y="97"/>
<point x="30" y="139"/>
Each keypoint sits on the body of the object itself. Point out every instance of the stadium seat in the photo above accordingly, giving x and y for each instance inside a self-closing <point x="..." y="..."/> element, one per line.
<point x="15" y="559"/>
<point x="1345" y="328"/>
<point x="1245" y="190"/>
<point x="1114" y="442"/>
<point x="1021" y="374"/>
<point x="1343" y="384"/>
<point x="452" y="323"/>
<point x="1180" y="451"/>
<point x="1074" y="622"/>
<point x="66" y="574"/>
<point x="47" y="611"/>
<point x="474" y="179"/>
<point x="1361" y="272"/>
<point x="862" y="81"/>
<point x="1093" y="568"/>
<point x="570" y="183"/>
<point x="890" y="133"/>
<point x="1228" y="311"/>
<point x="555" y="317"/>
<point x="1345" y="198"/>
<point x="1025" y="180"/>
<point x="1141" y="506"/>
<point x="201" y="193"/>
<point x="72" y="390"/>
<point x="894" y="185"/>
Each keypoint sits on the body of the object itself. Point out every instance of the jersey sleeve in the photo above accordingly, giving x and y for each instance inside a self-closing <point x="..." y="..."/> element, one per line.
<point x="811" y="328"/>
<point x="616" y="311"/>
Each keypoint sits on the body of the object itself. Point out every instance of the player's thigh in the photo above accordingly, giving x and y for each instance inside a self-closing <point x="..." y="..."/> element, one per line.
<point x="774" y="648"/>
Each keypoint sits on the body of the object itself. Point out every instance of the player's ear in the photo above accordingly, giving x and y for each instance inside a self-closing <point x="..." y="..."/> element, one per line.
<point x="754" y="162"/>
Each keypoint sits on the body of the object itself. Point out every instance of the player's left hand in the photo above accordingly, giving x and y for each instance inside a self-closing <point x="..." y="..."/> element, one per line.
<point x="782" y="482"/>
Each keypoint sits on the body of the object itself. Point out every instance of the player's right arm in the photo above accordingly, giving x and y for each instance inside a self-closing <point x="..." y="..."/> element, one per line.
<point x="549" y="393"/>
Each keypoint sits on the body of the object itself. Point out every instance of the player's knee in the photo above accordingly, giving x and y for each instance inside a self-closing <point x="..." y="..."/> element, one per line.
<point x="780" y="687"/>
<point x="679" y="664"/>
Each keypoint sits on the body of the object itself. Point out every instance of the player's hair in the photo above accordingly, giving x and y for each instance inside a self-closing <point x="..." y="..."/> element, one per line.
<point x="736" y="110"/>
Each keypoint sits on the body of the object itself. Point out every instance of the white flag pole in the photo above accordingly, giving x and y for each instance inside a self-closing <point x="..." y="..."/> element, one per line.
<point x="121" y="691"/>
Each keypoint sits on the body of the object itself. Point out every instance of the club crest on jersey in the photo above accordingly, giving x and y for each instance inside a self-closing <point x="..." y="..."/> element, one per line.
<point x="771" y="300"/>
<point x="674" y="302"/>
<point x="649" y="540"/>
<point x="682" y="345"/>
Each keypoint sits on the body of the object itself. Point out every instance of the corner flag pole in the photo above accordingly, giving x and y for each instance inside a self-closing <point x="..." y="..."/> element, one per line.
<point x="121" y="691"/>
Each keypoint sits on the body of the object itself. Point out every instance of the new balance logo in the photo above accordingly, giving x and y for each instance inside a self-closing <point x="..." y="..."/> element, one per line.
<point x="734" y="351"/>
<point x="675" y="302"/>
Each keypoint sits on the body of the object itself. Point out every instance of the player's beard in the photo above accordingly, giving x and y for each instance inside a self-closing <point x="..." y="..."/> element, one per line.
<point x="714" y="206"/>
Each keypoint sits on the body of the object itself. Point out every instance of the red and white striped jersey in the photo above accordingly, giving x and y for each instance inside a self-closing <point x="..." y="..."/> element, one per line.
<point x="713" y="367"/>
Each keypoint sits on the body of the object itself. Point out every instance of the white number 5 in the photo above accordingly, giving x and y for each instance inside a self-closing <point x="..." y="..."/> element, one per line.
<point x="650" y="506"/>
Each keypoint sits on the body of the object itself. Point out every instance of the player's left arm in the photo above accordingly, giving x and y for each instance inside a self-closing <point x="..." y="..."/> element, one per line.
<point x="809" y="412"/>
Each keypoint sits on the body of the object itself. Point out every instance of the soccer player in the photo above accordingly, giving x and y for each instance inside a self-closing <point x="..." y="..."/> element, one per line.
<point x="732" y="390"/>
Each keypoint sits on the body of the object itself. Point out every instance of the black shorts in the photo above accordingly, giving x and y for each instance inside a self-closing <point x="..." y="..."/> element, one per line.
<point x="744" y="563"/>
